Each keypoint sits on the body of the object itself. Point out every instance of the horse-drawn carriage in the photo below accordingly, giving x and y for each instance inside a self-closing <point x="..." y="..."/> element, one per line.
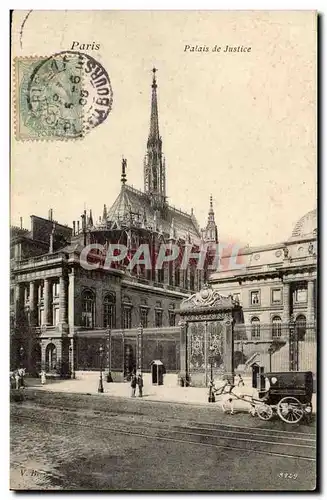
<point x="287" y="394"/>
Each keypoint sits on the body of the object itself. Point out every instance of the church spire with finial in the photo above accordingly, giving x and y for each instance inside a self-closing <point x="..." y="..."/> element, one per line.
<point x="154" y="164"/>
<point x="123" y="171"/>
<point x="211" y="232"/>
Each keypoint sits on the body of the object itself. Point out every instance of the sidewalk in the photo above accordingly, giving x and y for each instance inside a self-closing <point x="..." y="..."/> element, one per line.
<point x="87" y="383"/>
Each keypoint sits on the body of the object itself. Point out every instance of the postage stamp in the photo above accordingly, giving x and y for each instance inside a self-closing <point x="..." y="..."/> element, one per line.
<point x="60" y="97"/>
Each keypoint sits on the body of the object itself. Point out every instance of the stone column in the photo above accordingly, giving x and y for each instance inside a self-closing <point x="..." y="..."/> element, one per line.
<point x="183" y="349"/>
<point x="18" y="304"/>
<point x="71" y="298"/>
<point x="62" y="301"/>
<point x="228" y="354"/>
<point x="47" y="302"/>
<point x="311" y="303"/>
<point x="33" y="304"/>
<point x="286" y="302"/>
<point x="206" y="354"/>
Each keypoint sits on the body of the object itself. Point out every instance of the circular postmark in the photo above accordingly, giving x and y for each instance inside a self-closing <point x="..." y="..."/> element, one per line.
<point x="67" y="95"/>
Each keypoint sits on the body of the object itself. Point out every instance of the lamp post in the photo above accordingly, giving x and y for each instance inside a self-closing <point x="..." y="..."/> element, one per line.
<point x="270" y="352"/>
<point x="292" y="345"/>
<point x="139" y="349"/>
<point x="109" y="376"/>
<point x="211" y="397"/>
<point x="21" y="353"/>
<point x="71" y="358"/>
<point x="100" y="388"/>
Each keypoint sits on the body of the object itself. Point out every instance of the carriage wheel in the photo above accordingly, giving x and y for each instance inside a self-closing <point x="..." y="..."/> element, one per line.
<point x="290" y="410"/>
<point x="265" y="412"/>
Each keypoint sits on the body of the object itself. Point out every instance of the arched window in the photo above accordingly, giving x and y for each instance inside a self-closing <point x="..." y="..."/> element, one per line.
<point x="255" y="328"/>
<point x="172" y="315"/>
<point x="109" y="311"/>
<point x="300" y="327"/>
<point x="276" y="326"/>
<point x="88" y="309"/>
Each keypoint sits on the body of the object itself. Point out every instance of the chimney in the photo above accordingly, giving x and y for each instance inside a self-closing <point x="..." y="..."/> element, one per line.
<point x="21" y="222"/>
<point x="50" y="214"/>
<point x="74" y="228"/>
<point x="78" y="227"/>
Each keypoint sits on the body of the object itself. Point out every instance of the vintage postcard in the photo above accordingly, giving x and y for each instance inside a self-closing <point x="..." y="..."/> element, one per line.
<point x="163" y="256"/>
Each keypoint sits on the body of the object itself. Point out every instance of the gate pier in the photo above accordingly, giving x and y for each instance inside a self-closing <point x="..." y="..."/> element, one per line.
<point x="207" y="336"/>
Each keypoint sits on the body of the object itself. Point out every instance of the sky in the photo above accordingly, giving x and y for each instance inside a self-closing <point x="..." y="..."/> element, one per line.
<point x="238" y="125"/>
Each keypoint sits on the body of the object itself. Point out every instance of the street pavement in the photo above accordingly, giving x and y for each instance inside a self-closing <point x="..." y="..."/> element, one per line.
<point x="66" y="440"/>
<point x="88" y="382"/>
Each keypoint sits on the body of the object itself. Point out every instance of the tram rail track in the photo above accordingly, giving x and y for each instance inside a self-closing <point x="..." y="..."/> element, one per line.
<point x="221" y="436"/>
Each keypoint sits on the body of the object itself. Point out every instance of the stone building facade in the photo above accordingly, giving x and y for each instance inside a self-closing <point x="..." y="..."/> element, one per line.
<point x="55" y="300"/>
<point x="276" y="286"/>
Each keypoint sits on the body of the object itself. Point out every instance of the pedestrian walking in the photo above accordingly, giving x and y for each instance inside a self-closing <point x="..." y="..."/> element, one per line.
<point x="133" y="384"/>
<point x="240" y="382"/>
<point x="17" y="379"/>
<point x="140" y="384"/>
<point x="43" y="377"/>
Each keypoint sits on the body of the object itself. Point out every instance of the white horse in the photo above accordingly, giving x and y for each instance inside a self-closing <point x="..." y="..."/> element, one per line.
<point x="232" y="397"/>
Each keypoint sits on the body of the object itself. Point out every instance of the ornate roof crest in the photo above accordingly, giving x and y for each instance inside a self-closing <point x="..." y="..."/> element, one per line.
<point x="208" y="297"/>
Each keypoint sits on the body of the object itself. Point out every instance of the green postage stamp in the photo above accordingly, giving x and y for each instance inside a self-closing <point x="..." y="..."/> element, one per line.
<point x="60" y="97"/>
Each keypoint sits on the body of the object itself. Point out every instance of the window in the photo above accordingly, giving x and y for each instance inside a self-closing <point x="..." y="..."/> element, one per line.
<point x="55" y="289"/>
<point x="12" y="296"/>
<point x="158" y="318"/>
<point x="301" y="295"/>
<point x="55" y="316"/>
<point x="109" y="311"/>
<point x="161" y="276"/>
<point x="144" y="317"/>
<point x="41" y="317"/>
<point x="41" y="290"/>
<point x="255" y="298"/>
<point x="172" y="318"/>
<point x="88" y="308"/>
<point x="276" y="296"/>
<point x="255" y="328"/>
<point x="192" y="279"/>
<point x="176" y="276"/>
<point x="276" y="326"/>
<point x="127" y="317"/>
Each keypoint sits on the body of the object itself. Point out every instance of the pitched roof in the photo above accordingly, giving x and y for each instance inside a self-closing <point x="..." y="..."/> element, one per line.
<point x="134" y="205"/>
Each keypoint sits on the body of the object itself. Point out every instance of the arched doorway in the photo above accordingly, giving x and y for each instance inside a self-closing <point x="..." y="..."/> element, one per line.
<point x="50" y="357"/>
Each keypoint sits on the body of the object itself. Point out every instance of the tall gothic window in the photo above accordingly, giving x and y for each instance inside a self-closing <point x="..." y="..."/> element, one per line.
<point x="276" y="326"/>
<point x="255" y="328"/>
<point x="109" y="311"/>
<point x="88" y="309"/>
<point x="176" y="276"/>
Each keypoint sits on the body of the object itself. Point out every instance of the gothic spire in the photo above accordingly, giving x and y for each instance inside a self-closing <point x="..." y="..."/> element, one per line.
<point x="154" y="165"/>
<point x="210" y="232"/>
<point x="123" y="171"/>
<point x="105" y="213"/>
<point x="154" y="120"/>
